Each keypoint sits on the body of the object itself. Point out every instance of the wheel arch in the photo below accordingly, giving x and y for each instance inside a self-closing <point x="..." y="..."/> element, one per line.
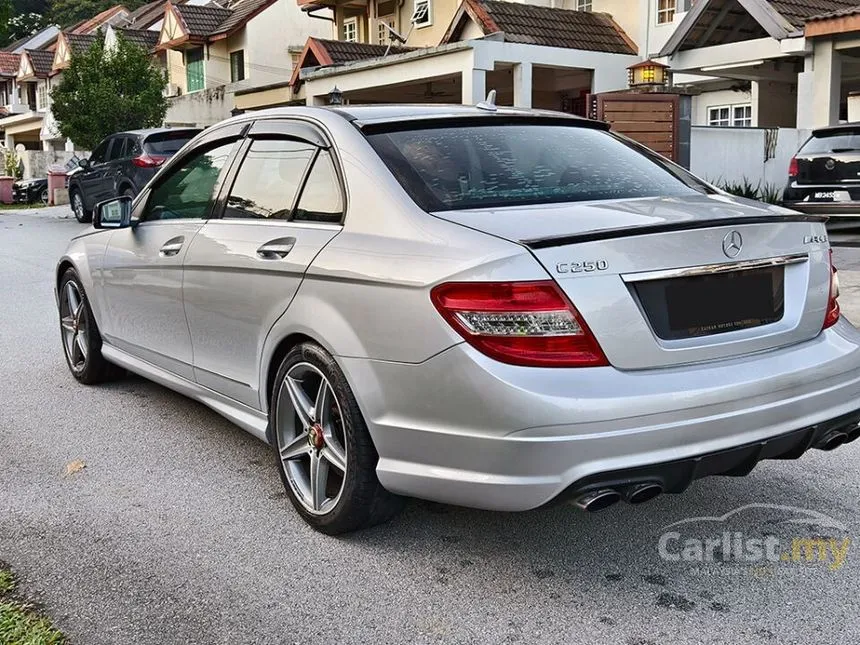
<point x="282" y="348"/>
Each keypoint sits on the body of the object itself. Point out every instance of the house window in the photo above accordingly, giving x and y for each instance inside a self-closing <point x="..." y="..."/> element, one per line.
<point x="350" y="30"/>
<point x="583" y="5"/>
<point x="736" y="116"/>
<point x="742" y="116"/>
<point x="381" y="32"/>
<point x="194" y="74"/>
<point x="665" y="11"/>
<point x="422" y="16"/>
<point x="42" y="97"/>
<point x="237" y="66"/>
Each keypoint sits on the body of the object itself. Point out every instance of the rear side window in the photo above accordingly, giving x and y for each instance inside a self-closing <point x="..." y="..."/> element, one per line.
<point x="168" y="144"/>
<point x="495" y="165"/>
<point x="321" y="200"/>
<point x="829" y="143"/>
<point x="269" y="179"/>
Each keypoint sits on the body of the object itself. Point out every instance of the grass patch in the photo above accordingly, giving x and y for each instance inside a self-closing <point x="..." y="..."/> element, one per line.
<point x="19" y="622"/>
<point x="21" y="207"/>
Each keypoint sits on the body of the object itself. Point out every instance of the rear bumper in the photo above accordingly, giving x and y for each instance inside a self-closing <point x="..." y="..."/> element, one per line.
<point x="463" y="429"/>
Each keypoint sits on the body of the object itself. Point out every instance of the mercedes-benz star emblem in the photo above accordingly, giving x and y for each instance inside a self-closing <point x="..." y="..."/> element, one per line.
<point x="733" y="242"/>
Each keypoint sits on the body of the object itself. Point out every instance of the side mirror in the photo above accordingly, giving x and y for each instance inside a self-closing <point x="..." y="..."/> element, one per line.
<point x="113" y="213"/>
<point x="84" y="163"/>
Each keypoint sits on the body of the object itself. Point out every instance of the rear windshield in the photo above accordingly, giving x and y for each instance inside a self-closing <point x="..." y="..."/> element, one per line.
<point x="483" y="166"/>
<point x="168" y="143"/>
<point x="830" y="142"/>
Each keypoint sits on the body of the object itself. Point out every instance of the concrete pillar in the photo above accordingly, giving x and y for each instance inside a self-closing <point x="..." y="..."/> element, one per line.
<point x="320" y="99"/>
<point x="474" y="86"/>
<point x="826" y="84"/>
<point x="523" y="85"/>
<point x="805" y="96"/>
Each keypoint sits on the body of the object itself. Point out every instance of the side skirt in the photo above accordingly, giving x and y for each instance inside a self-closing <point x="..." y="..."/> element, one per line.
<point x="250" y="420"/>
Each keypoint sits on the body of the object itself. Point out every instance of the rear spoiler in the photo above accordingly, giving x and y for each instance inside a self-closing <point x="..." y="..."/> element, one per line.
<point x="649" y="229"/>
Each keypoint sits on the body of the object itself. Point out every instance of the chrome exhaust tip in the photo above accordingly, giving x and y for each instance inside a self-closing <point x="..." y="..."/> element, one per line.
<point x="597" y="500"/>
<point x="832" y="441"/>
<point x="641" y="493"/>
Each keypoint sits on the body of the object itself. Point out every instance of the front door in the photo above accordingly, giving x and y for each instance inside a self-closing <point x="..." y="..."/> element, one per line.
<point x="142" y="273"/>
<point x="242" y="270"/>
<point x="95" y="179"/>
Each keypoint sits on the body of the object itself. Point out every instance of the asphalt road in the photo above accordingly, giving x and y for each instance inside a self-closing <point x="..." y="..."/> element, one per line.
<point x="178" y="529"/>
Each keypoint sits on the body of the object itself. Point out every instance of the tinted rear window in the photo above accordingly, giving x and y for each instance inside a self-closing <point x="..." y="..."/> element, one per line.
<point x="830" y="142"/>
<point x="168" y="143"/>
<point x="482" y="166"/>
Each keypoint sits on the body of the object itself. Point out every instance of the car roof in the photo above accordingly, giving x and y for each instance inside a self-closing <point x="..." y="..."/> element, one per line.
<point x="836" y="129"/>
<point x="150" y="131"/>
<point x="398" y="113"/>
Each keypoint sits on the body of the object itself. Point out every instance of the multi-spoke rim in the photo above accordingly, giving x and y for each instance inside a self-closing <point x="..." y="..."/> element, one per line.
<point x="311" y="439"/>
<point x="75" y="327"/>
<point x="79" y="206"/>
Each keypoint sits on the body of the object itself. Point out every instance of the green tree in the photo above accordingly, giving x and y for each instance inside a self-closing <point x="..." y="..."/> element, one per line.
<point x="103" y="92"/>
<point x="69" y="12"/>
<point x="25" y="24"/>
<point x="6" y="11"/>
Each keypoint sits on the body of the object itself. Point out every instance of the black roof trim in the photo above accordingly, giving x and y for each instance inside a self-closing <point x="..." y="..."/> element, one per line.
<point x="632" y="231"/>
<point x="425" y="122"/>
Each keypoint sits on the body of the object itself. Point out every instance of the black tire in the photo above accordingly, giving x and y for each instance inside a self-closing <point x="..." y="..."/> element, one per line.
<point x="88" y="367"/>
<point x="362" y="502"/>
<point x="79" y="207"/>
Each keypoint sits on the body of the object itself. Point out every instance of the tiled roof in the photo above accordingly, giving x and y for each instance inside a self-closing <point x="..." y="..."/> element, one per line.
<point x="150" y="13"/>
<point x="80" y="42"/>
<point x="841" y="13"/>
<point x="9" y="64"/>
<point x="105" y="17"/>
<point x="534" y="25"/>
<point x="43" y="61"/>
<point x="202" y="20"/>
<point x="145" y="38"/>
<point x="797" y="12"/>
<point x="345" y="52"/>
<point x="243" y="11"/>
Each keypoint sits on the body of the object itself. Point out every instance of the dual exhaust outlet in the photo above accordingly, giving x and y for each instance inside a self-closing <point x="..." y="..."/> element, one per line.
<point x="836" y="438"/>
<point x="597" y="500"/>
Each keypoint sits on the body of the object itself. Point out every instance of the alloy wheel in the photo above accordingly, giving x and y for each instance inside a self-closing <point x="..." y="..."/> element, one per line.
<point x="79" y="208"/>
<point x="311" y="438"/>
<point x="75" y="326"/>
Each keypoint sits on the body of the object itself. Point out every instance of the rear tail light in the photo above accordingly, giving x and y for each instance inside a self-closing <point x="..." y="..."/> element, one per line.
<point x="832" y="316"/>
<point x="148" y="161"/>
<point x="793" y="169"/>
<point x="520" y="323"/>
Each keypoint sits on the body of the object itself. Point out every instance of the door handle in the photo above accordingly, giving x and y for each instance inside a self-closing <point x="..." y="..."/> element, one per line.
<point x="276" y="249"/>
<point x="172" y="247"/>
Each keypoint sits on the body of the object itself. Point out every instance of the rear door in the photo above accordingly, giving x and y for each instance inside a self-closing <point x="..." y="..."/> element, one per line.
<point x="281" y="206"/>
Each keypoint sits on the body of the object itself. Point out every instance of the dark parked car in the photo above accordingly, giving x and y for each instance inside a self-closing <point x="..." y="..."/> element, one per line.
<point x="30" y="191"/>
<point x="122" y="164"/>
<point x="824" y="176"/>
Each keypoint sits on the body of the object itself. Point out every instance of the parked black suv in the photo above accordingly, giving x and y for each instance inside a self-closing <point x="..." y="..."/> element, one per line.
<point x="824" y="176"/>
<point x="122" y="164"/>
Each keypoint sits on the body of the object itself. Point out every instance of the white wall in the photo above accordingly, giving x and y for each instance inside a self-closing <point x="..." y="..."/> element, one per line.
<point x="268" y="37"/>
<point x="702" y="102"/>
<point x="760" y="156"/>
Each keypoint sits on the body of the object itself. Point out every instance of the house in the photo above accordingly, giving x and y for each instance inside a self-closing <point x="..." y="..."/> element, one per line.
<point x="213" y="51"/>
<point x="533" y="56"/>
<point x="782" y="63"/>
<point x="41" y="62"/>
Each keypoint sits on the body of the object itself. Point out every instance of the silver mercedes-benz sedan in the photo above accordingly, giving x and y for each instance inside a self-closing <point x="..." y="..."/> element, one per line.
<point x="480" y="306"/>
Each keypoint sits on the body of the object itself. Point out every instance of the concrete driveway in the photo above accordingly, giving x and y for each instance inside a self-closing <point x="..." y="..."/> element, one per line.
<point x="178" y="529"/>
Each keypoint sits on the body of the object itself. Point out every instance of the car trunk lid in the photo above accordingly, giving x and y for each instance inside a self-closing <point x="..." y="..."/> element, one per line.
<point x="673" y="281"/>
